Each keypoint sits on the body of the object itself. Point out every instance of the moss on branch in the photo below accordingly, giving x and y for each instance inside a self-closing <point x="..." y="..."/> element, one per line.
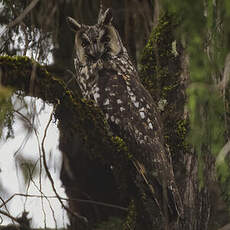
<point x="74" y="114"/>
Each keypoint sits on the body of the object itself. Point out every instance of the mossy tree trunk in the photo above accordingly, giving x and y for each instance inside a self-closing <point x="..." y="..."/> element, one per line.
<point x="164" y="72"/>
<point x="90" y="152"/>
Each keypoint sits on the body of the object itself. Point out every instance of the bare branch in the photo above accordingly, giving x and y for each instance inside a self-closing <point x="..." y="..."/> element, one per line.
<point x="66" y="199"/>
<point x="157" y="9"/>
<point x="23" y="14"/>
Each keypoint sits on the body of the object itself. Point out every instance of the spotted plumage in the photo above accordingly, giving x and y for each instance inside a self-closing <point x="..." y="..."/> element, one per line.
<point x="106" y="75"/>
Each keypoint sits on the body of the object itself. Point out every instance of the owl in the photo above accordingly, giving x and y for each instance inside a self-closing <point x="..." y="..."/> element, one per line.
<point x="106" y="75"/>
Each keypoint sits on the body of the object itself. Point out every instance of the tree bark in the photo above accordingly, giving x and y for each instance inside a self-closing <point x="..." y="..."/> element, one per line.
<point x="164" y="72"/>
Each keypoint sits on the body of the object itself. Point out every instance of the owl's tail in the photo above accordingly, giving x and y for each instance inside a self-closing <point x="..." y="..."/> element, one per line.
<point x="166" y="195"/>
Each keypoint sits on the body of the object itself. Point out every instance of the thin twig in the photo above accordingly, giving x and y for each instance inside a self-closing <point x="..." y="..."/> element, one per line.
<point x="66" y="199"/>
<point x="5" y="207"/>
<point x="30" y="174"/>
<point x="84" y="219"/>
<point x="41" y="197"/>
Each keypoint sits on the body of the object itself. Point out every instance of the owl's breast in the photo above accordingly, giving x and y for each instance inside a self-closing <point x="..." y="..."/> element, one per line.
<point x="128" y="105"/>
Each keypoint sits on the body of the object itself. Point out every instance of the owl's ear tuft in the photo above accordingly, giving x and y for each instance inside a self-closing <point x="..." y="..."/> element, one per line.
<point x="106" y="18"/>
<point x="73" y="24"/>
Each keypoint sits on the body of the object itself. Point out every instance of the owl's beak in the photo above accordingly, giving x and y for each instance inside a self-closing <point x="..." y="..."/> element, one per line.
<point x="95" y="52"/>
<point x="95" y="49"/>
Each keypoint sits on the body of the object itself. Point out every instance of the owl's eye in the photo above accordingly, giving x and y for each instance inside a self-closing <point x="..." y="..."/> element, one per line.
<point x="105" y="38"/>
<point x="84" y="42"/>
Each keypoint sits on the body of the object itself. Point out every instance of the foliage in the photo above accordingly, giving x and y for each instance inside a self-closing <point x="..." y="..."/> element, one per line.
<point x="207" y="117"/>
<point x="205" y="33"/>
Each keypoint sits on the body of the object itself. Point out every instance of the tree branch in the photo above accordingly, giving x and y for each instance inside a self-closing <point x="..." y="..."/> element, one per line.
<point x="23" y="14"/>
<point x="66" y="199"/>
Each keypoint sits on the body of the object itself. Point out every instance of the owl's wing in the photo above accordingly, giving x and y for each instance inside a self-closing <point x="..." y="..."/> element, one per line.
<point x="132" y="114"/>
<point x="126" y="103"/>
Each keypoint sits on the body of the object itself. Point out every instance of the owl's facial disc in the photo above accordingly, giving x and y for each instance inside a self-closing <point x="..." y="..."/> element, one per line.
<point x="95" y="43"/>
<point x="98" y="42"/>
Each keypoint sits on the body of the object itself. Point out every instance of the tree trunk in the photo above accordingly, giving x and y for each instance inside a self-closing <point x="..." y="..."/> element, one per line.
<point x="164" y="72"/>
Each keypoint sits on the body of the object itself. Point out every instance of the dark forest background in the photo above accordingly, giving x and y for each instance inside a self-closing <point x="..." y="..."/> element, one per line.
<point x="181" y="50"/>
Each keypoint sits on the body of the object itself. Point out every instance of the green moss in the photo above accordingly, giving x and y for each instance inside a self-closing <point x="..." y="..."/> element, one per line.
<point x="160" y="73"/>
<point x="182" y="133"/>
<point x="74" y="113"/>
<point x="130" y="221"/>
<point x="160" y="67"/>
<point x="121" y="146"/>
<point x="76" y="116"/>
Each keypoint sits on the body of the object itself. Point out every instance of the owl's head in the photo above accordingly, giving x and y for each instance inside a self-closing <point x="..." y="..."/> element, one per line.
<point x="97" y="42"/>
